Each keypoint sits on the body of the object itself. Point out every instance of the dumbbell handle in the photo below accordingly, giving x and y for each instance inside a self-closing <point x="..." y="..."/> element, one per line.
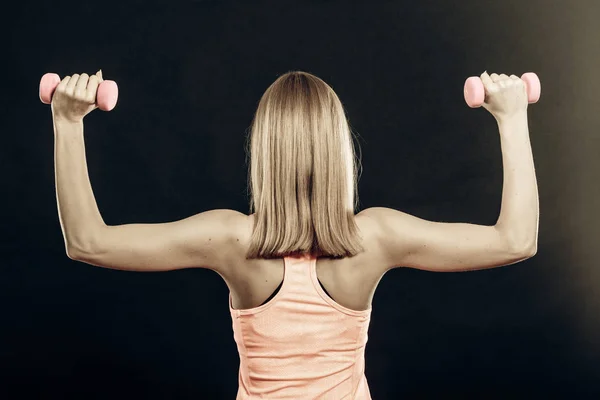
<point x="475" y="91"/>
<point x="106" y="96"/>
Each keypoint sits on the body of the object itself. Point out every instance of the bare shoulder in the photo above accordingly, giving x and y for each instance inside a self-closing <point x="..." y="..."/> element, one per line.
<point x="219" y="237"/>
<point x="234" y="226"/>
<point x="225" y="224"/>
<point x="393" y="236"/>
<point x="367" y="219"/>
<point x="231" y="220"/>
<point x="238" y="231"/>
<point x="371" y="231"/>
<point x="387" y="230"/>
<point x="231" y="231"/>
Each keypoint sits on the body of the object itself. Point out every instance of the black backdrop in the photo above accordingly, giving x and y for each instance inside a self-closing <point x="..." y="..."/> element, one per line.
<point x="190" y="75"/>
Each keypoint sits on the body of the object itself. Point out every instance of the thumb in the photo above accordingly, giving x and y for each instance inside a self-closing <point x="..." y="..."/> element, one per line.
<point x="99" y="75"/>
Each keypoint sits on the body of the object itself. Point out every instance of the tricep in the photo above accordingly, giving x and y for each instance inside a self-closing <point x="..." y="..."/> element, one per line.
<point x="201" y="241"/>
<point x="408" y="241"/>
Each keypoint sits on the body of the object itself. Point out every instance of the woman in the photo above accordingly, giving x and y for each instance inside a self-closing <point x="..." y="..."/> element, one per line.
<point x="302" y="268"/>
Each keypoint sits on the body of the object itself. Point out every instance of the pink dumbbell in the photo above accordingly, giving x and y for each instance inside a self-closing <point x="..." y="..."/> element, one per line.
<point x="106" y="97"/>
<point x="475" y="92"/>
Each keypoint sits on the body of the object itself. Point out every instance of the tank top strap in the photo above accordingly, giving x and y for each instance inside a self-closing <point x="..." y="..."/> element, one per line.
<point x="299" y="268"/>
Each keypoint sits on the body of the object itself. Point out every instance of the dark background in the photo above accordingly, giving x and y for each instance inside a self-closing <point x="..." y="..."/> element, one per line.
<point x="190" y="75"/>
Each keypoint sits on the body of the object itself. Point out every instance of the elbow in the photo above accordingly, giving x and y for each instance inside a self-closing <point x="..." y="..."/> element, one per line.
<point x="75" y="253"/>
<point x="530" y="248"/>
<point x="521" y="252"/>
<point x="81" y="249"/>
<point x="526" y="251"/>
<point x="72" y="253"/>
<point x="520" y="246"/>
<point x="532" y="251"/>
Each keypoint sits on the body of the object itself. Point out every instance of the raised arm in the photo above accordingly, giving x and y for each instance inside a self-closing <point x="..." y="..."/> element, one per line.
<point x="405" y="240"/>
<point x="204" y="240"/>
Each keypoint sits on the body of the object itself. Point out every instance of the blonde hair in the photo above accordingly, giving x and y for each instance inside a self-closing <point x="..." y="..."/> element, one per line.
<point x="303" y="172"/>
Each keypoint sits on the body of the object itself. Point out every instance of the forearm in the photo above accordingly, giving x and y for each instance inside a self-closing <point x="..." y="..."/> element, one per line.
<point x="77" y="209"/>
<point x="519" y="213"/>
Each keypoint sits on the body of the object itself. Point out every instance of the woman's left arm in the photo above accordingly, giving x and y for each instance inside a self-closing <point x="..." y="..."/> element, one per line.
<point x="202" y="240"/>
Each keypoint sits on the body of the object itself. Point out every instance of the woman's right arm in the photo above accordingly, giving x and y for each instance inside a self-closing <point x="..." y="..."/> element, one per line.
<point x="405" y="240"/>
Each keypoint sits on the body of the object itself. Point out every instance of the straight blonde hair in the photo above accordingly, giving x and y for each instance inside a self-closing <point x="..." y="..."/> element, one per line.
<point x="303" y="172"/>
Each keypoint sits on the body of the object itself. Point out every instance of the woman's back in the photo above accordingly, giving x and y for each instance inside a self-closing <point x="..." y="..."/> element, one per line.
<point x="301" y="322"/>
<point x="350" y="282"/>
<point x="301" y="344"/>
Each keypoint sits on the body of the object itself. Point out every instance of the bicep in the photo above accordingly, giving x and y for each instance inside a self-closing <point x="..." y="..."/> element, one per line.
<point x="409" y="241"/>
<point x="197" y="241"/>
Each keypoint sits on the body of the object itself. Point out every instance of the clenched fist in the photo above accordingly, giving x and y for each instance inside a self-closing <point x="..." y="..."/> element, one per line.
<point x="505" y="96"/>
<point x="75" y="97"/>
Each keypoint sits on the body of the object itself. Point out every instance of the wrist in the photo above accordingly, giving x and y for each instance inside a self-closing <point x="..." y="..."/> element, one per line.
<point x="516" y="118"/>
<point x="65" y="124"/>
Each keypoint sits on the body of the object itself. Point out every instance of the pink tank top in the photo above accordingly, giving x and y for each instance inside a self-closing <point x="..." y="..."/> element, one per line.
<point x="301" y="344"/>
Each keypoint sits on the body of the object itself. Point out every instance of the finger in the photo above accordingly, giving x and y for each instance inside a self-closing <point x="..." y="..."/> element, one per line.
<point x="486" y="79"/>
<point x="99" y="75"/>
<point x="92" y="88"/>
<point x="503" y="77"/>
<point x="516" y="81"/>
<point x="495" y="77"/>
<point x="80" y="88"/>
<point x="62" y="86"/>
<point x="72" y="83"/>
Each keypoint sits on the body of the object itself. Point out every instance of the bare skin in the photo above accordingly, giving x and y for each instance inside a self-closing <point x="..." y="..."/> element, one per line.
<point x="351" y="282"/>
<point x="218" y="239"/>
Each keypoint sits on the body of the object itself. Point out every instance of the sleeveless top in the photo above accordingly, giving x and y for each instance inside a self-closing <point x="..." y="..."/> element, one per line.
<point x="301" y="344"/>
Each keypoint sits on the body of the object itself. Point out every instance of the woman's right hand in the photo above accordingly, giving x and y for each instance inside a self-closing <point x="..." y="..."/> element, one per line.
<point x="505" y="96"/>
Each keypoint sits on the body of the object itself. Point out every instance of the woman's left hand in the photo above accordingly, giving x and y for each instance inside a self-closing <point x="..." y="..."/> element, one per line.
<point x="75" y="97"/>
